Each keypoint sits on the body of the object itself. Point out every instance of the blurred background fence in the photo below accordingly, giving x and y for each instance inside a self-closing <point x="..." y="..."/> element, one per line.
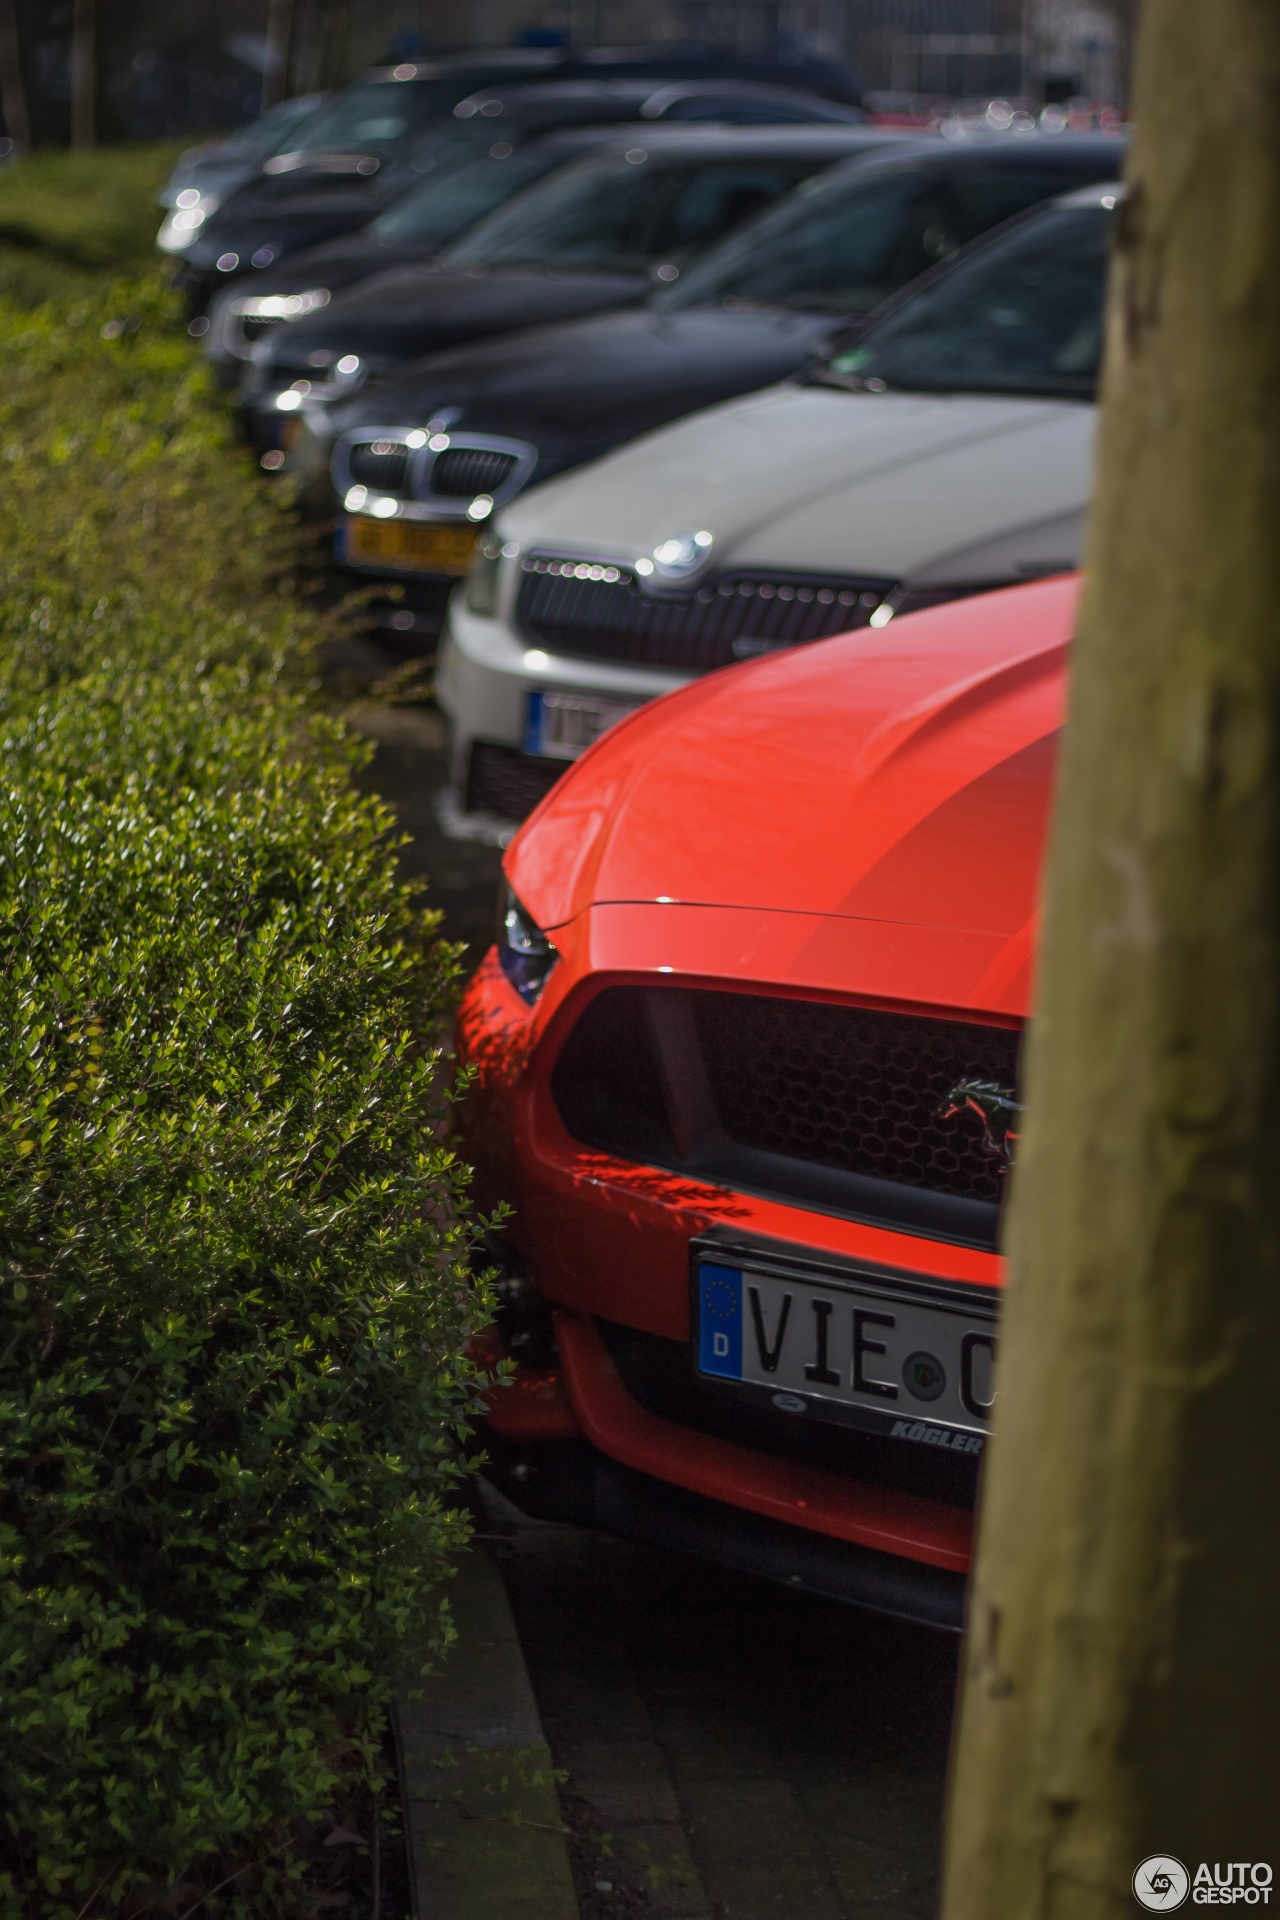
<point x="150" y="69"/>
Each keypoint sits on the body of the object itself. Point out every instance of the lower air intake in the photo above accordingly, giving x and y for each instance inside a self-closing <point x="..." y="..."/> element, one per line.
<point x="504" y="781"/>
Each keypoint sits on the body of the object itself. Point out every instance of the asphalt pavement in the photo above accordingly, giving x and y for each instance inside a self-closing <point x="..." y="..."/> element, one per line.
<point x="725" y="1749"/>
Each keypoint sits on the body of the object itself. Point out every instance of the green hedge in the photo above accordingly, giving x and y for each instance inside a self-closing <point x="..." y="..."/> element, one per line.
<point x="234" y="1288"/>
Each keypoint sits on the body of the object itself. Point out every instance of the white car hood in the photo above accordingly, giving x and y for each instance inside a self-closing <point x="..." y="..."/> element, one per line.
<point x="919" y="488"/>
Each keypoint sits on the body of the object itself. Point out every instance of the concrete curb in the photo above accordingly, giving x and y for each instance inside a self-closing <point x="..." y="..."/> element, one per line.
<point x="483" y="1827"/>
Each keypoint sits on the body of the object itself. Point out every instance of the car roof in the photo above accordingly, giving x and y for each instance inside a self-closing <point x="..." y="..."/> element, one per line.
<point x="641" y="91"/>
<point x="516" y="60"/>
<point x="678" y="140"/>
<point x="1069" y="151"/>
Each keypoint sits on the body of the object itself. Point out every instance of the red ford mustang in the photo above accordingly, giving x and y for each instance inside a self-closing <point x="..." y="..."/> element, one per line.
<point x="747" y="1053"/>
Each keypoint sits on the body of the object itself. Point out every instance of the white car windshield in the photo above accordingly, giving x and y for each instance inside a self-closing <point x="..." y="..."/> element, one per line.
<point x="1020" y="315"/>
<point x="625" y="215"/>
<point x="848" y="240"/>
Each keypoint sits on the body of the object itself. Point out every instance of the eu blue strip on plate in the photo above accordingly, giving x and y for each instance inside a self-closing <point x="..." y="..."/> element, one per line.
<point x="720" y="1320"/>
<point x="533" y="724"/>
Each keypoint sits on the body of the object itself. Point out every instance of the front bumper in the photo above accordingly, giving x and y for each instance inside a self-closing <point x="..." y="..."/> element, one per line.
<point x="607" y="1245"/>
<point x="567" y="1444"/>
<point x="486" y="675"/>
<point x="573" y="1482"/>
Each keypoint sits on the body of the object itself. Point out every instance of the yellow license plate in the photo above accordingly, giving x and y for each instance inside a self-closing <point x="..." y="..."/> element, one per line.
<point x="409" y="546"/>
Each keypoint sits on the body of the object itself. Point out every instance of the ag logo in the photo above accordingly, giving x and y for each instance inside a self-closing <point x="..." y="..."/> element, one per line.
<point x="1161" y="1883"/>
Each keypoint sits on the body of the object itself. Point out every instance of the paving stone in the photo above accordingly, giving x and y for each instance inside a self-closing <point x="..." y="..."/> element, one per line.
<point x="592" y="1701"/>
<point x="754" y="1851"/>
<point x="486" y="1837"/>
<point x="710" y="1738"/>
<point x="625" y="1780"/>
<point x="668" y="1870"/>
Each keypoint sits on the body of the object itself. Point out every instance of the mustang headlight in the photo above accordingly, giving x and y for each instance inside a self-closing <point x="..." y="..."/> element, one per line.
<point x="484" y="582"/>
<point x="526" y="954"/>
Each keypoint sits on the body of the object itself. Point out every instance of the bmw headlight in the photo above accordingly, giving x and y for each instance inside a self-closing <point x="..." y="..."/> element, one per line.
<point x="267" y="307"/>
<point x="180" y="228"/>
<point x="484" y="582"/>
<point x="525" y="953"/>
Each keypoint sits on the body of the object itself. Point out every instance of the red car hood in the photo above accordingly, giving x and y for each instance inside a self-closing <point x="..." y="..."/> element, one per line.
<point x="901" y="776"/>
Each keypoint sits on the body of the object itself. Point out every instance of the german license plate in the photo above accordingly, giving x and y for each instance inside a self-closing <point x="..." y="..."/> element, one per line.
<point x="862" y="1352"/>
<point x="408" y="546"/>
<point x="560" y="726"/>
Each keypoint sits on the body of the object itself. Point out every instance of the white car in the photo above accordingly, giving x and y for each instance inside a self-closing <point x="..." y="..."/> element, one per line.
<point x="944" y="449"/>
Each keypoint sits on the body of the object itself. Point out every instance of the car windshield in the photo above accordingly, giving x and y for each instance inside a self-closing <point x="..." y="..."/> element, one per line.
<point x="377" y="113"/>
<point x="845" y="242"/>
<point x="275" y="128"/>
<point x="1021" y="315"/>
<point x="624" y="215"/>
<point x="436" y="211"/>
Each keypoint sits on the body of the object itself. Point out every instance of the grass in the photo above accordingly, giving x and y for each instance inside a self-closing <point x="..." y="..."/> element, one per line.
<point x="67" y="220"/>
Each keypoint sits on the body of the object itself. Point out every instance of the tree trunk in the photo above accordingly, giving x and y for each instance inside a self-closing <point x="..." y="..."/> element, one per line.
<point x="13" y="94"/>
<point x="305" y="47"/>
<point x="84" y="73"/>
<point x="337" y="61"/>
<point x="275" y="68"/>
<point x="1122" y="1690"/>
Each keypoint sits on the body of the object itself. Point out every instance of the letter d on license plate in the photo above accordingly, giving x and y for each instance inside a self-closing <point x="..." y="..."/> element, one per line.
<point x="914" y="1360"/>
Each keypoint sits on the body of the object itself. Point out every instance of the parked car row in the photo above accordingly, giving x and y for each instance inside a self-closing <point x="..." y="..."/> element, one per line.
<point x="699" y="452"/>
<point x="565" y="349"/>
<point x="311" y="171"/>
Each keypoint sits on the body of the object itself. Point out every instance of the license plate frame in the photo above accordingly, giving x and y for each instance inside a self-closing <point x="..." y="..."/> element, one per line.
<point x="407" y="546"/>
<point x="906" y="1320"/>
<point x="560" y="724"/>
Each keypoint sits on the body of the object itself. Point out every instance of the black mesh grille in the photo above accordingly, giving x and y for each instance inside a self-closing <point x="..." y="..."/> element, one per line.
<point x="856" y="1089"/>
<point x="837" y="1107"/>
<point x="462" y="472"/>
<point x="383" y="464"/>
<point x="602" y="612"/>
<point x="504" y="781"/>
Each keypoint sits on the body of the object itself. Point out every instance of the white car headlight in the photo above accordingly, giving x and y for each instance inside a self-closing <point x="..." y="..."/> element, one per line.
<point x="179" y="228"/>
<point x="281" y="306"/>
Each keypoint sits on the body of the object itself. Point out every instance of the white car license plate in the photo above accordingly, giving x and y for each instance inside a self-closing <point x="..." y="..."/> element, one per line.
<point x="864" y="1352"/>
<point x="560" y="726"/>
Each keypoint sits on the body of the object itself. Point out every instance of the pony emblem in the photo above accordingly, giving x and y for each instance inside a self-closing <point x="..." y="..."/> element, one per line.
<point x="998" y="1109"/>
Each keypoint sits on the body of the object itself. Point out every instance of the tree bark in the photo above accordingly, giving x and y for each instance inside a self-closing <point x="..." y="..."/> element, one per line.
<point x="1122" y="1691"/>
<point x="275" y="69"/>
<point x="84" y="73"/>
<point x="13" y="94"/>
<point x="337" y="62"/>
